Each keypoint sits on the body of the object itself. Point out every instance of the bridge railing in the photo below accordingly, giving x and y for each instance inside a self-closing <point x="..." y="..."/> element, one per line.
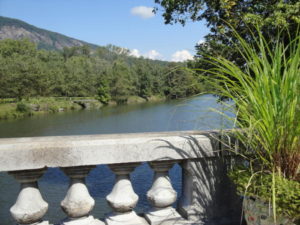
<point x="207" y="197"/>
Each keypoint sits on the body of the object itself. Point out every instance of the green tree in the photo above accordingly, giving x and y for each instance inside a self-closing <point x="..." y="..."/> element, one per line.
<point x="121" y="85"/>
<point x="103" y="92"/>
<point x="9" y="47"/>
<point x="242" y="15"/>
<point x="79" y="79"/>
<point x="22" y="71"/>
<point x="85" y="50"/>
<point x="180" y="82"/>
<point x="108" y="72"/>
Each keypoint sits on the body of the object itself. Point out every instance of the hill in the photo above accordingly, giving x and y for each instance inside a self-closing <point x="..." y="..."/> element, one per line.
<point x="17" y="29"/>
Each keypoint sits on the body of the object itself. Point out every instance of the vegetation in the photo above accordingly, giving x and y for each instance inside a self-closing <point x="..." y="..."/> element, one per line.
<point x="246" y="58"/>
<point x="43" y="68"/>
<point x="19" y="109"/>
<point x="266" y="92"/>
<point x="224" y="15"/>
<point x="259" y="185"/>
<point x="27" y="72"/>
<point x="108" y="74"/>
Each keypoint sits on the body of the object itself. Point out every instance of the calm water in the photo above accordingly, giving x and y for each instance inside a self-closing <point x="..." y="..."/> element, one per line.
<point x="168" y="116"/>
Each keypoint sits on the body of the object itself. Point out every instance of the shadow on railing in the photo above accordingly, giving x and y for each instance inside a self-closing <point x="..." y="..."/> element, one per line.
<point x="209" y="196"/>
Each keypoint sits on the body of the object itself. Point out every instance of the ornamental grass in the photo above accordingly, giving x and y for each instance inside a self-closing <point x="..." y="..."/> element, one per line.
<point x="266" y="93"/>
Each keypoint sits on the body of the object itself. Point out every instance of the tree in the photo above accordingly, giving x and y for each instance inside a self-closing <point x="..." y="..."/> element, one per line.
<point x="223" y="16"/>
<point x="9" y="47"/>
<point x="85" y="50"/>
<point x="21" y="74"/>
<point x="107" y="73"/>
<point x="266" y="12"/>
<point x="180" y="82"/>
<point x="121" y="86"/>
<point x="103" y="94"/>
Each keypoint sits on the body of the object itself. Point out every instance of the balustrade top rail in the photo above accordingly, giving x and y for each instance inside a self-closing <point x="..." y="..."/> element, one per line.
<point x="66" y="151"/>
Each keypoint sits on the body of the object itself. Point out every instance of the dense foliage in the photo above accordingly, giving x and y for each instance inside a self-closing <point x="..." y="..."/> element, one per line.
<point x="287" y="191"/>
<point x="225" y="16"/>
<point x="106" y="72"/>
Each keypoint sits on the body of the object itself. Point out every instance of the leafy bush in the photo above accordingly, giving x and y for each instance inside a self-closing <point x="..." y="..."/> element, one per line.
<point x="103" y="94"/>
<point x="259" y="185"/>
<point x="23" y="108"/>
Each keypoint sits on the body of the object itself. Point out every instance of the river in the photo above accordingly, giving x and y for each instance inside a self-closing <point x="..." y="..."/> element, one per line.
<point x="188" y="114"/>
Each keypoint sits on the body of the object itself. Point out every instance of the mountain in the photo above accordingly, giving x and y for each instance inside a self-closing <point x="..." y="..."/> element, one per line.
<point x="17" y="29"/>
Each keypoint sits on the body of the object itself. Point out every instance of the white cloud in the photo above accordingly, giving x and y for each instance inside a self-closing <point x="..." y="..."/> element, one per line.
<point x="143" y="12"/>
<point x="181" y="56"/>
<point x="135" y="52"/>
<point x="200" y="42"/>
<point x="153" y="54"/>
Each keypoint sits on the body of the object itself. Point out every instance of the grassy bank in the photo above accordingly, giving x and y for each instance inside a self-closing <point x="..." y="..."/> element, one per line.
<point x="30" y="107"/>
<point x="13" y="109"/>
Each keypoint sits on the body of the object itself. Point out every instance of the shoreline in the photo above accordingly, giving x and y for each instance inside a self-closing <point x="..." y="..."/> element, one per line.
<point x="12" y="110"/>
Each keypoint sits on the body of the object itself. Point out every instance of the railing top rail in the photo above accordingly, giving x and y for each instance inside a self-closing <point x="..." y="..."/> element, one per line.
<point x="66" y="151"/>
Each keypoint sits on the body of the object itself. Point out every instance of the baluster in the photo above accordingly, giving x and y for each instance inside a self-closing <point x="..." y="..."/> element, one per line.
<point x="207" y="193"/>
<point x="162" y="196"/>
<point x="30" y="206"/>
<point x="122" y="198"/>
<point x="78" y="203"/>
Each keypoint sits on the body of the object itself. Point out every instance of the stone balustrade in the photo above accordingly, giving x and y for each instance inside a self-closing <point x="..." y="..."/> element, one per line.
<point x="207" y="194"/>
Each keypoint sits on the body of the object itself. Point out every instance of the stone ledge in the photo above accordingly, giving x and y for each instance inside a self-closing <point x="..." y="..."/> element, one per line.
<point x="67" y="151"/>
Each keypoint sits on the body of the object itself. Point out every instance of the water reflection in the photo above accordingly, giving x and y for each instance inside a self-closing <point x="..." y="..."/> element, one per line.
<point x="187" y="114"/>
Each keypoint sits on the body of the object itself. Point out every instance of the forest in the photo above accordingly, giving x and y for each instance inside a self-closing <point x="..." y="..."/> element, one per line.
<point x="106" y="73"/>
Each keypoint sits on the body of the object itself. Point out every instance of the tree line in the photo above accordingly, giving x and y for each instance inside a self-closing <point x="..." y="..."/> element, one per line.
<point x="108" y="73"/>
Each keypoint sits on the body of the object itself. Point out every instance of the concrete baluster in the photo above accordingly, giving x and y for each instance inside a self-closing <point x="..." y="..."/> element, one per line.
<point x="207" y="192"/>
<point x="122" y="198"/>
<point x="78" y="203"/>
<point x="30" y="206"/>
<point x="162" y="196"/>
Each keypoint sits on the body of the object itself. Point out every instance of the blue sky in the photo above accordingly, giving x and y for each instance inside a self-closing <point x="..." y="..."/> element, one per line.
<point x="125" y="23"/>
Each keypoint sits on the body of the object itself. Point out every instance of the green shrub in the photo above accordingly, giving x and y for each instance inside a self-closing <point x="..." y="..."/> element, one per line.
<point x="23" y="108"/>
<point x="53" y="108"/>
<point x="103" y="94"/>
<point x="260" y="185"/>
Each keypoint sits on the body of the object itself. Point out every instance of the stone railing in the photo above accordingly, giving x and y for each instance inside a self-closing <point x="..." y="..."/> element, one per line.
<point x="207" y="195"/>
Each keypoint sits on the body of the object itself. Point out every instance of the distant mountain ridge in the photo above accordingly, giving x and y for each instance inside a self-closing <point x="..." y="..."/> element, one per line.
<point x="18" y="29"/>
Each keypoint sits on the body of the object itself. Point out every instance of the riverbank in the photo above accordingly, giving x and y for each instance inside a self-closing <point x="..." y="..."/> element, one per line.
<point x="12" y="109"/>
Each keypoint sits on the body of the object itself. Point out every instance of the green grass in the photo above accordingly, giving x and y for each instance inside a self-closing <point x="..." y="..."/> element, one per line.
<point x="34" y="106"/>
<point x="7" y="100"/>
<point x="8" y="111"/>
<point x="10" y="108"/>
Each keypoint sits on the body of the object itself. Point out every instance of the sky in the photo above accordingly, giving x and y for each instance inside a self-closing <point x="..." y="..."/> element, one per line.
<point x="125" y="23"/>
